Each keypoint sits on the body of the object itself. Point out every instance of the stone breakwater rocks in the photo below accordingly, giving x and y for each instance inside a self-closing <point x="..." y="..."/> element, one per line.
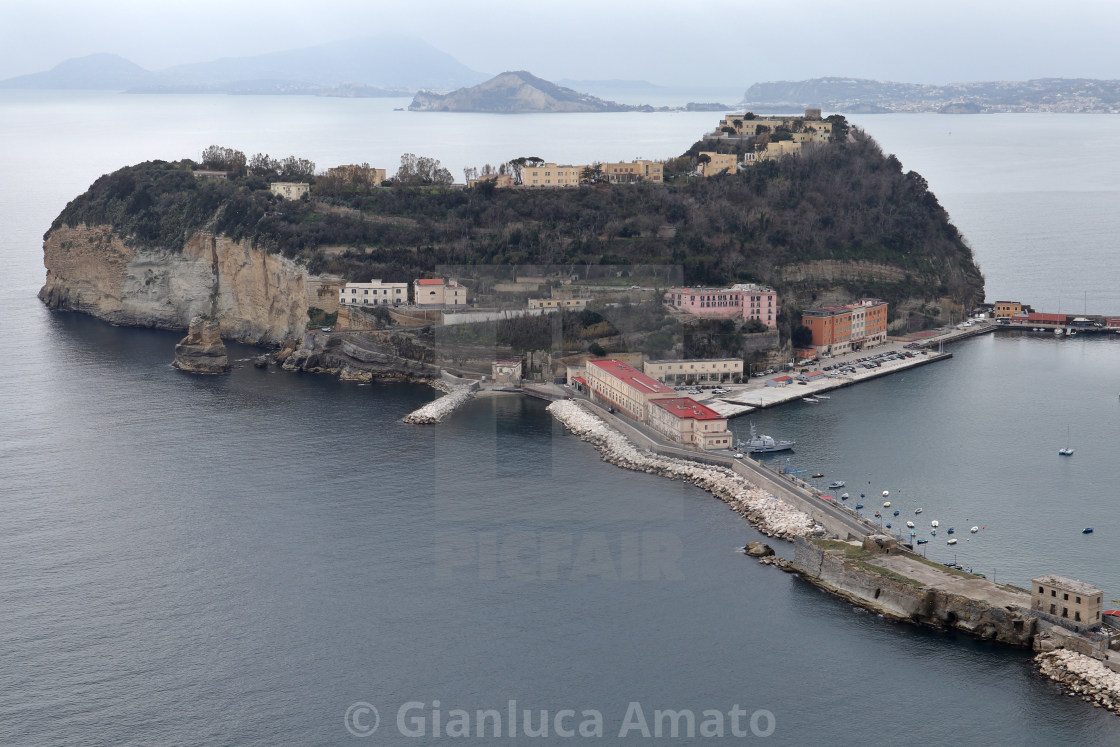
<point x="437" y="410"/>
<point x="1082" y="675"/>
<point x="769" y="514"/>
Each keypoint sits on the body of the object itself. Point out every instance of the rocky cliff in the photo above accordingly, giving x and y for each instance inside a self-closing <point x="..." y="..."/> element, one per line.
<point x="202" y="350"/>
<point x="257" y="297"/>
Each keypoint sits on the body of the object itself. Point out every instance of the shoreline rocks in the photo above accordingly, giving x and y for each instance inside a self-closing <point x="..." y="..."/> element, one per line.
<point x="1082" y="675"/>
<point x="768" y="513"/>
<point x="437" y="410"/>
<point x="202" y="350"/>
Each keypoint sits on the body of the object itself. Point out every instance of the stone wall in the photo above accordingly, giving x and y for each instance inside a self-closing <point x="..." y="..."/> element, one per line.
<point x="901" y="600"/>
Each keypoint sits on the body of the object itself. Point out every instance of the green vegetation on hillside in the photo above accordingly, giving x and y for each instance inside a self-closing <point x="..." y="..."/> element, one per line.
<point x="845" y="201"/>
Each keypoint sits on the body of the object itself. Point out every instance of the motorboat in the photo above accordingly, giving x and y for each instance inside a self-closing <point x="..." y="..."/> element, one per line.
<point x="888" y="525"/>
<point x="1087" y="530"/>
<point x="935" y="523"/>
<point x="949" y="530"/>
<point x="974" y="530"/>
<point x="878" y="515"/>
<point x="759" y="444"/>
<point x="859" y="506"/>
<point x="836" y="484"/>
<point x="952" y="541"/>
<point x="933" y="532"/>
<point x="822" y="396"/>
<point x="886" y="493"/>
<point x="917" y="510"/>
<point x="886" y="504"/>
<point x="922" y="541"/>
<point x="817" y="475"/>
<point x="896" y="512"/>
<point x="843" y="496"/>
<point x="811" y="400"/>
<point x="910" y="524"/>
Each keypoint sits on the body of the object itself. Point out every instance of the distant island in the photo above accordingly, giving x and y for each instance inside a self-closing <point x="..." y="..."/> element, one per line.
<point x="521" y="92"/>
<point x="370" y="66"/>
<point x="861" y="96"/>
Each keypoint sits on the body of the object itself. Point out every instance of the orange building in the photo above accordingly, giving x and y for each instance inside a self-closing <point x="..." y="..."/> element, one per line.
<point x="838" y="329"/>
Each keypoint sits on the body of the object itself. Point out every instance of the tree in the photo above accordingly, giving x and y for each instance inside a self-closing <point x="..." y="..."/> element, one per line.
<point x="420" y="171"/>
<point x="224" y="159"/>
<point x="802" y="336"/>
<point x="264" y="165"/>
<point x="299" y="169"/>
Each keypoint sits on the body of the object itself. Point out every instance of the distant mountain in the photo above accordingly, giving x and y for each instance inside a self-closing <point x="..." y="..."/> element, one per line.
<point x="857" y="95"/>
<point x="108" y="72"/>
<point x="382" y="62"/>
<point x="516" y="92"/>
<point x="400" y="64"/>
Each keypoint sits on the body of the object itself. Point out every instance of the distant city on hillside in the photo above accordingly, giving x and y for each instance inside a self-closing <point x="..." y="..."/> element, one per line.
<point x="860" y="96"/>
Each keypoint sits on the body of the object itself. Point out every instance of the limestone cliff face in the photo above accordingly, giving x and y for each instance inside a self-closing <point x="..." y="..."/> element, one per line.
<point x="257" y="297"/>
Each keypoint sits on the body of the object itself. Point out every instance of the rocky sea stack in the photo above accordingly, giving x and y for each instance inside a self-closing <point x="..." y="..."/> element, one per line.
<point x="202" y="350"/>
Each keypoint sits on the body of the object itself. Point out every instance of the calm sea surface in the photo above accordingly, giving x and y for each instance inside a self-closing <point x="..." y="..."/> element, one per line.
<point x="238" y="560"/>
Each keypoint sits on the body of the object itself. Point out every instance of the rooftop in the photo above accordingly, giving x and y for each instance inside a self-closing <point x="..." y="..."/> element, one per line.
<point x="632" y="376"/>
<point x="1079" y="587"/>
<point x="430" y="281"/>
<point x="686" y="407"/>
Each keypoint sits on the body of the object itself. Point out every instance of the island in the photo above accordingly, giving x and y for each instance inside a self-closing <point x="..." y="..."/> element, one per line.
<point x="806" y="207"/>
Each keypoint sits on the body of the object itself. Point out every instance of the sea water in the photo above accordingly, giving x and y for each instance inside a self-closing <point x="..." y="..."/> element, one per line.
<point x="256" y="558"/>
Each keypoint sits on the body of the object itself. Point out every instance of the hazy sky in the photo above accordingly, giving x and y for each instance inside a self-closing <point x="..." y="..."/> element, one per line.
<point x="671" y="42"/>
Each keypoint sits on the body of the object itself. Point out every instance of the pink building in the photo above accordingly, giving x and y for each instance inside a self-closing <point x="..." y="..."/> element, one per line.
<point x="742" y="301"/>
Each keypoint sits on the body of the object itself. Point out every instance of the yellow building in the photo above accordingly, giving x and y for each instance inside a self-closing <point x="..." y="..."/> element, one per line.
<point x="779" y="148"/>
<point x="696" y="370"/>
<point x="719" y="163"/>
<point x="290" y="190"/>
<point x="501" y="181"/>
<point x="811" y="122"/>
<point x="686" y="421"/>
<point x="1068" y="600"/>
<point x="438" y="292"/>
<point x="1002" y="309"/>
<point x="558" y="303"/>
<point x="551" y="175"/>
<point x="637" y="170"/>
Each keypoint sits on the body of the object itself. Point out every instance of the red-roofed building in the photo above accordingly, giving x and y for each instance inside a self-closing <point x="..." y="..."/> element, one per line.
<point x="686" y="421"/>
<point x="1040" y="318"/>
<point x="438" y="292"/>
<point x="624" y="387"/>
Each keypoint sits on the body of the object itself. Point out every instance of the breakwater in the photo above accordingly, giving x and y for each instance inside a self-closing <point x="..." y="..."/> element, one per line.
<point x="438" y="409"/>
<point x="768" y="513"/>
<point x="1084" y="676"/>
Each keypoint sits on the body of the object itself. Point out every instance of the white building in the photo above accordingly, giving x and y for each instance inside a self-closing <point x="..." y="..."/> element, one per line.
<point x="373" y="293"/>
<point x="438" y="292"/>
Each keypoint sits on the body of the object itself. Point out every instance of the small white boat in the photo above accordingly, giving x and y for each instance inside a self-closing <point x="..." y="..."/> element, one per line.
<point x="886" y="493"/>
<point x="935" y="523"/>
<point x="886" y="504"/>
<point x="822" y="396"/>
<point x="811" y="400"/>
<point x="974" y="530"/>
<point x="844" y="496"/>
<point x="951" y="542"/>
<point x="917" y="510"/>
<point x="910" y="525"/>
